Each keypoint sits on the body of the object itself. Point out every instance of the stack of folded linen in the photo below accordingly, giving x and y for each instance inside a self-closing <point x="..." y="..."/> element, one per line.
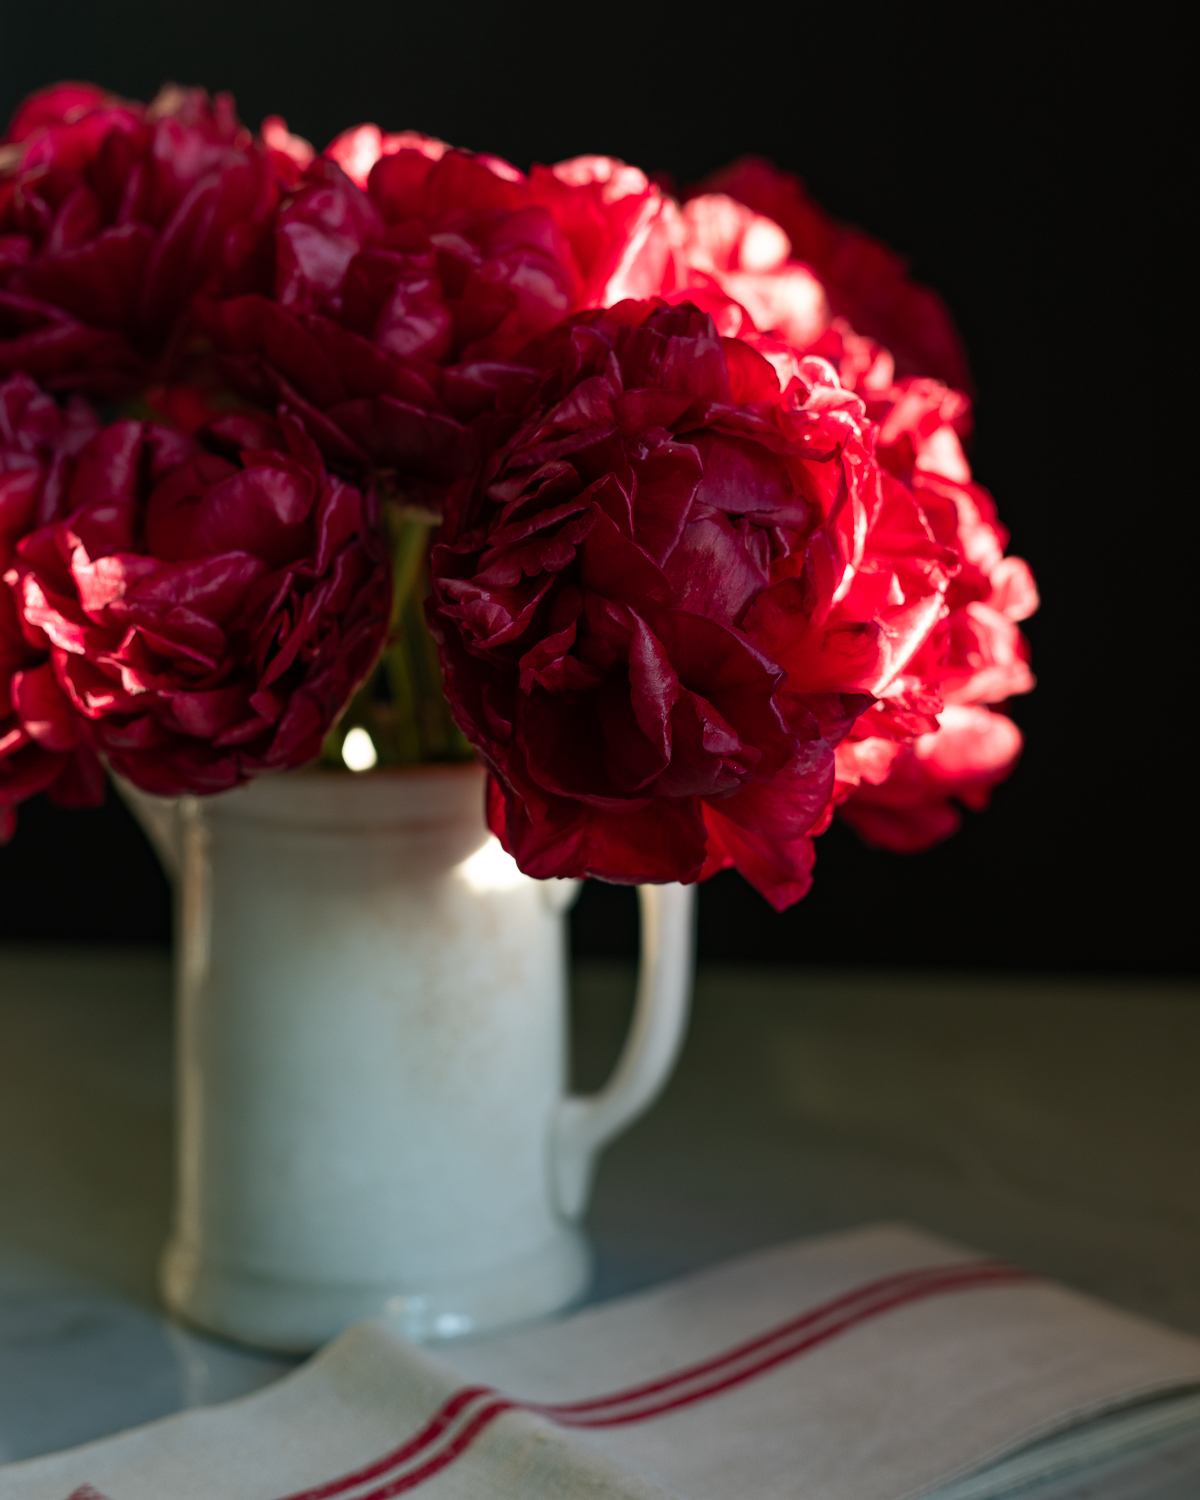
<point x="871" y="1365"/>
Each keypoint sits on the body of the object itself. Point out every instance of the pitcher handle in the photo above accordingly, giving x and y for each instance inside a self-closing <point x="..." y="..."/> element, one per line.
<point x="585" y="1122"/>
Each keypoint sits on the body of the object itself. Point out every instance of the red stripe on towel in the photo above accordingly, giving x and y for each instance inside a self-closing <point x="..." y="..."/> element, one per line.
<point x="456" y="1425"/>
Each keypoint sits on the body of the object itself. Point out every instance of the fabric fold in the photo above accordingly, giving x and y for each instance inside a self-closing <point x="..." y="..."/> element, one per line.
<point x="878" y="1364"/>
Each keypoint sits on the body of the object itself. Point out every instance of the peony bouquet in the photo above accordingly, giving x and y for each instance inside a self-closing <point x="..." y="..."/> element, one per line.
<point x="393" y="453"/>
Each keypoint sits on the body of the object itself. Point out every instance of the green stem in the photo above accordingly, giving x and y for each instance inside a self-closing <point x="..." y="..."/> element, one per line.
<point x="401" y="705"/>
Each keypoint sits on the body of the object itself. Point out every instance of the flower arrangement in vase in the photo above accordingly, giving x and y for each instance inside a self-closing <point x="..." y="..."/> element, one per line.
<point x="651" y="512"/>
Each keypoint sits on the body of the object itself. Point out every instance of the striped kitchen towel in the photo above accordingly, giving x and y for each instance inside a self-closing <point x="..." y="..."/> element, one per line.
<point x="873" y="1365"/>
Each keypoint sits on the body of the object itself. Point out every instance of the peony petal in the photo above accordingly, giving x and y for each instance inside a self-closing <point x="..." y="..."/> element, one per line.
<point x="44" y="713"/>
<point x="263" y="511"/>
<point x="779" y="869"/>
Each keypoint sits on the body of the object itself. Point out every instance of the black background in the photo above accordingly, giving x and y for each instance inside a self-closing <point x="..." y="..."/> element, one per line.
<point x="1029" y="166"/>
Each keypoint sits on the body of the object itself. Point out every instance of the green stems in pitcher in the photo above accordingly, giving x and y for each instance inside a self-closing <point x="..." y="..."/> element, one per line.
<point x="401" y="707"/>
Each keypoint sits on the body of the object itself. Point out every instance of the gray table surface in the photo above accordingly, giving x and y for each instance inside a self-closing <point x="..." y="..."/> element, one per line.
<point x="1045" y="1120"/>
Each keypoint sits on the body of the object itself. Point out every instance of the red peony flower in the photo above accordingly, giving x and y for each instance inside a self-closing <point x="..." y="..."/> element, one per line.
<point x="112" y="216"/>
<point x="738" y="266"/>
<point x="655" y="611"/>
<point x="407" y="277"/>
<point x="899" y="790"/>
<point x="911" y="809"/>
<point x="210" y="605"/>
<point x="865" y="283"/>
<point x="41" y="740"/>
<point x="395" y="308"/>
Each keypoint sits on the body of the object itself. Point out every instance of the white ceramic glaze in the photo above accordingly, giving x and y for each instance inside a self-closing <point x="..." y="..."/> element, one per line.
<point x="371" y="1060"/>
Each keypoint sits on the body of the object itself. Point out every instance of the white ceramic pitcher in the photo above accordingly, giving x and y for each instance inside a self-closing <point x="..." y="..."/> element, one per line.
<point x="372" y="1059"/>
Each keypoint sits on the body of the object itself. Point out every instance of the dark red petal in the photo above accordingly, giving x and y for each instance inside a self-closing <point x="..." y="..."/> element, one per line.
<point x="44" y="713"/>
<point x="780" y="870"/>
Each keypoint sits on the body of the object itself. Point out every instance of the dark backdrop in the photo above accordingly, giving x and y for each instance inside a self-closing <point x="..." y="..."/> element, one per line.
<point x="1027" y="167"/>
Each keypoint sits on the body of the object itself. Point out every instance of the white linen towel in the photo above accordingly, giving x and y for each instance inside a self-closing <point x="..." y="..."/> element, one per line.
<point x="873" y="1365"/>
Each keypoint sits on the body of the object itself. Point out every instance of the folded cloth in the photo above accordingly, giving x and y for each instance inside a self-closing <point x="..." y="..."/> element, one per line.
<point x="872" y="1365"/>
